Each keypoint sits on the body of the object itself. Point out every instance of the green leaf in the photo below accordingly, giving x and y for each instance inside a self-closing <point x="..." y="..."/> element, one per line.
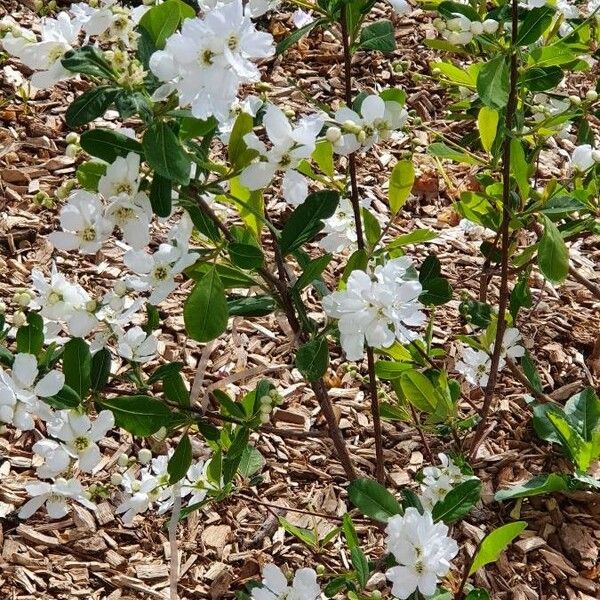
<point x="239" y="153"/>
<point x="312" y="359"/>
<point x="436" y="292"/>
<point x="536" y="21"/>
<point x="161" y="193"/>
<point x="419" y="391"/>
<point x="573" y="444"/>
<point x="235" y="409"/>
<point x="165" y="154"/>
<point x="252" y="462"/>
<point x="493" y="83"/>
<point x="361" y="566"/>
<point x="162" y="20"/>
<point x="30" y="338"/>
<point x="531" y="372"/>
<point x="174" y="389"/>
<point x="541" y="484"/>
<point x="520" y="297"/>
<point x="89" y="174"/>
<point x="487" y="124"/>
<point x="88" y="60"/>
<point x="246" y="256"/>
<point x="296" y="36"/>
<point x="129" y="103"/>
<point x="378" y="36"/>
<point x="312" y="271"/>
<point x="307" y="536"/>
<point x="100" y="369"/>
<point x="90" y="105"/>
<point x="372" y="227"/>
<point x="181" y="460"/>
<point x="540" y="79"/>
<point x="583" y="411"/>
<point x="234" y="454"/>
<point x="349" y="532"/>
<point x="107" y="144"/>
<point x="251" y="205"/>
<point x="323" y="156"/>
<point x="553" y="255"/>
<point x="417" y="236"/>
<point x="495" y="543"/>
<point x="519" y="167"/>
<point x="478" y="594"/>
<point x="373" y="500"/>
<point x="165" y="371"/>
<point x="203" y="223"/>
<point x="77" y="365"/>
<point x="401" y="183"/>
<point x="65" y="399"/>
<point x="307" y="220"/>
<point x="551" y="56"/>
<point x="205" y="311"/>
<point x="139" y="415"/>
<point x="441" y="150"/>
<point x="458" y="502"/>
<point x="251" y="306"/>
<point x="476" y="313"/>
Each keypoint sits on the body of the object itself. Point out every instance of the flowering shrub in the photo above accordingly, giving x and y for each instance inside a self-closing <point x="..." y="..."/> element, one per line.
<point x="189" y="194"/>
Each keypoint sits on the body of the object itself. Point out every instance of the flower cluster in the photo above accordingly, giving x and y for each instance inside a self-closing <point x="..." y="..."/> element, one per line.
<point x="423" y="551"/>
<point x="210" y="58"/>
<point x="475" y="363"/>
<point x="438" y="481"/>
<point x="378" y="309"/>
<point x="460" y="30"/>
<point x="275" y="585"/>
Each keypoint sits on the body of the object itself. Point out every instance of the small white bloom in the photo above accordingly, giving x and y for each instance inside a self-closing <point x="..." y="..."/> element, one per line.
<point x="438" y="481"/>
<point x="141" y="493"/>
<point x="275" y="585"/>
<point x="80" y="435"/>
<point x="19" y="392"/>
<point x="378" y="310"/>
<point x="56" y="458"/>
<point x="55" y="496"/>
<point x="137" y="346"/>
<point x="474" y="366"/>
<point x="584" y="157"/>
<point x="402" y="7"/>
<point x="84" y="226"/>
<point x="301" y="18"/>
<point x="423" y="551"/>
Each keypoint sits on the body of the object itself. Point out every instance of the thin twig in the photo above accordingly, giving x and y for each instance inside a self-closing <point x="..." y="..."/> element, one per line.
<point x="511" y="108"/>
<point x="174" y="551"/>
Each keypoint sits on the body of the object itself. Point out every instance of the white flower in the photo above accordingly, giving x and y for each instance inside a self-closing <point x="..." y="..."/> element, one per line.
<point x="423" y="551"/>
<point x="80" y="436"/>
<point x="249" y="105"/>
<point x="58" y="298"/>
<point x="210" y="58"/>
<point x="340" y="229"/>
<point x="510" y="347"/>
<point x="19" y="392"/>
<point x="141" y="493"/>
<point x="56" y="459"/>
<point x="94" y="21"/>
<point x="137" y="346"/>
<point x="301" y="18"/>
<point x="289" y="147"/>
<point x="85" y="227"/>
<point x="275" y="585"/>
<point x="15" y="37"/>
<point x="196" y="484"/>
<point x="438" y="481"/>
<point x="58" y="37"/>
<point x="474" y="366"/>
<point x="378" y="310"/>
<point x="54" y="496"/>
<point x="402" y="7"/>
<point x="376" y="122"/>
<point x="584" y="157"/>
<point x="132" y="215"/>
<point x="156" y="272"/>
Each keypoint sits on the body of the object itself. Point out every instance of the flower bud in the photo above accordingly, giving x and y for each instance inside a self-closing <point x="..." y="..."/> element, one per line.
<point x="91" y="306"/>
<point x="476" y="28"/>
<point x="62" y="193"/>
<point x="333" y="134"/>
<point x="591" y="95"/>
<point x="116" y="479"/>
<point x="22" y="299"/>
<point x="376" y="595"/>
<point x="120" y="288"/>
<point x="265" y="409"/>
<point x="362" y="136"/>
<point x="490" y="26"/>
<point x="19" y="319"/>
<point x="72" y="138"/>
<point x="264" y="418"/>
<point x="123" y="460"/>
<point x="144" y="456"/>
<point x="596" y="155"/>
<point x="262" y="86"/>
<point x="455" y="24"/>
<point x="320" y="569"/>
<point x="72" y="150"/>
<point x="439" y="24"/>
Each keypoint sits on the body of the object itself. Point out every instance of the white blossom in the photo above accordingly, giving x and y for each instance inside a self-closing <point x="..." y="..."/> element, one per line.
<point x="474" y="366"/>
<point x="210" y="58"/>
<point x="423" y="551"/>
<point x="55" y="496"/>
<point x="140" y="494"/>
<point x="275" y="585"/>
<point x="438" y="481"/>
<point x="56" y="459"/>
<point x="137" y="346"/>
<point x="20" y="393"/>
<point x="80" y="435"/>
<point x="301" y="18"/>
<point x="85" y="227"/>
<point x="377" y="310"/>
<point x="290" y="145"/>
<point x="584" y="157"/>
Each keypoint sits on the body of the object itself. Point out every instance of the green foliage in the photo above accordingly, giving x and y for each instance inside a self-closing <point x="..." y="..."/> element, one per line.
<point x="495" y="543"/>
<point x="493" y="83"/>
<point x="181" y="460"/>
<point x="373" y="500"/>
<point x="458" y="501"/>
<point x="162" y="20"/>
<point x="553" y="254"/>
<point x="77" y="366"/>
<point x="378" y="36"/>
<point x="107" y="144"/>
<point x="312" y="358"/>
<point x="88" y="60"/>
<point x="90" y="105"/>
<point x="401" y="183"/>
<point x="165" y="154"/>
<point x="139" y="415"/>
<point x="30" y="338"/>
